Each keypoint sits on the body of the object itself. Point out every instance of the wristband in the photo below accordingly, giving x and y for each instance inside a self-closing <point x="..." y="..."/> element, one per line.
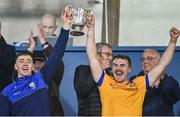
<point x="46" y="43"/>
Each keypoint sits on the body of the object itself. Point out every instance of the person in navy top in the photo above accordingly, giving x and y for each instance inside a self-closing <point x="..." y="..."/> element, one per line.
<point x="164" y="93"/>
<point x="28" y="94"/>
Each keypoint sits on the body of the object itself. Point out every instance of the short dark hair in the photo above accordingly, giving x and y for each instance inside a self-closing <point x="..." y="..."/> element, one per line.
<point x="24" y="53"/>
<point x="125" y="57"/>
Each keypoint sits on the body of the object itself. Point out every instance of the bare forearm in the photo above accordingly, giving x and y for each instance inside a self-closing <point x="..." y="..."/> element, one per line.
<point x="166" y="57"/>
<point x="42" y="40"/>
<point x="91" y="52"/>
<point x="30" y="49"/>
<point x="91" y="47"/>
<point x="168" y="54"/>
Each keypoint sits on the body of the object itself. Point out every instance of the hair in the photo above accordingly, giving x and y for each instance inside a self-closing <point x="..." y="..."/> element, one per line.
<point x="49" y="15"/>
<point x="153" y="51"/>
<point x="26" y="53"/>
<point x="100" y="45"/>
<point x="125" y="57"/>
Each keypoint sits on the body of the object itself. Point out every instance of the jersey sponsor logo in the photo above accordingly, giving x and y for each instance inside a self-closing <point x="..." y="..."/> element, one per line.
<point x="131" y="86"/>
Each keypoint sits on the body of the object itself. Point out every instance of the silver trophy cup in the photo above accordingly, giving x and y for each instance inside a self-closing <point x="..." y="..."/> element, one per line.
<point x="78" y="21"/>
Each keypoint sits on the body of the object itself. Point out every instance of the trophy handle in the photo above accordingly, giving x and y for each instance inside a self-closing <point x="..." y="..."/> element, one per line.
<point x="68" y="7"/>
<point x="88" y="12"/>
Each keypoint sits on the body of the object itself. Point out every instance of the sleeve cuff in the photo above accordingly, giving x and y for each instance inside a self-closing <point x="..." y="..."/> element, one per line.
<point x="99" y="83"/>
<point x="147" y="81"/>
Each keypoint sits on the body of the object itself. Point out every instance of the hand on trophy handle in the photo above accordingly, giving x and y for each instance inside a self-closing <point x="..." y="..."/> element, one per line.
<point x="90" y="21"/>
<point x="66" y="17"/>
<point x="89" y="12"/>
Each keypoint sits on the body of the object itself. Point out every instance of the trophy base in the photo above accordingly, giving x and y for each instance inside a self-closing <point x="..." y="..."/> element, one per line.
<point x="76" y="33"/>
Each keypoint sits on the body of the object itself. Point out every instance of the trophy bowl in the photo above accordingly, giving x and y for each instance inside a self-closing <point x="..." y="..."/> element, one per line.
<point x="78" y="21"/>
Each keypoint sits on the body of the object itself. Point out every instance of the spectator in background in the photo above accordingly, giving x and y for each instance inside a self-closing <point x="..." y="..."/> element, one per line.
<point x="39" y="60"/>
<point x="48" y="23"/>
<point x="89" y="103"/>
<point x="28" y="94"/>
<point x="164" y="93"/>
<point x="119" y="96"/>
<point x="7" y="60"/>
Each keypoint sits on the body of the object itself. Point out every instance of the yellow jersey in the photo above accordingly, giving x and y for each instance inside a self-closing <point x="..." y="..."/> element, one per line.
<point x="122" y="99"/>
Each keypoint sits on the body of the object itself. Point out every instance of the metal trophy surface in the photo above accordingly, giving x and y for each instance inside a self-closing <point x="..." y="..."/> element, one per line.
<point x="78" y="21"/>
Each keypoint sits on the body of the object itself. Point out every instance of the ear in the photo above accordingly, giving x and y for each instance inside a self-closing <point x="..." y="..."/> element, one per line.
<point x="33" y="67"/>
<point x="129" y="70"/>
<point x="99" y="57"/>
<point x="15" y="66"/>
<point x="55" y="27"/>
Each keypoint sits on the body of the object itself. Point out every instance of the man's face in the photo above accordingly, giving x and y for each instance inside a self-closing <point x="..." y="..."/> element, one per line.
<point x="49" y="26"/>
<point x="149" y="60"/>
<point x="105" y="55"/>
<point x="24" y="65"/>
<point x="120" y="69"/>
<point x="38" y="64"/>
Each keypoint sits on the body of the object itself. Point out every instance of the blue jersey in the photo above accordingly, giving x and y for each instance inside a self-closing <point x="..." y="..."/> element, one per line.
<point x="29" y="95"/>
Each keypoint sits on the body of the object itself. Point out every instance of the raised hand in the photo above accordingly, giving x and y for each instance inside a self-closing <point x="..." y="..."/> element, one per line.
<point x="90" y="21"/>
<point x="174" y="33"/>
<point x="41" y="34"/>
<point x="32" y="43"/>
<point x="66" y="17"/>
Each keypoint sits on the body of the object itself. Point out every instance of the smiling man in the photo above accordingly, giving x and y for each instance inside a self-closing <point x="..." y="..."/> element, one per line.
<point x="158" y="100"/>
<point x="119" y="96"/>
<point x="28" y="95"/>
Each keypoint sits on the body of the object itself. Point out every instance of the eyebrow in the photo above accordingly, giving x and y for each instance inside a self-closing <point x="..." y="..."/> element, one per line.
<point x="149" y="57"/>
<point x="24" y="59"/>
<point x="48" y="26"/>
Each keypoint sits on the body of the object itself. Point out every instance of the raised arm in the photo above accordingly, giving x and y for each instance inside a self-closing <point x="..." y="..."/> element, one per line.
<point x="166" y="57"/>
<point x="47" y="49"/>
<point x="49" y="69"/>
<point x="32" y="43"/>
<point x="91" y="49"/>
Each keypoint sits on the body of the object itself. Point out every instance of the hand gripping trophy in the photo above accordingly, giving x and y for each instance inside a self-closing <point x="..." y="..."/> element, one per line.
<point x="78" y="21"/>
